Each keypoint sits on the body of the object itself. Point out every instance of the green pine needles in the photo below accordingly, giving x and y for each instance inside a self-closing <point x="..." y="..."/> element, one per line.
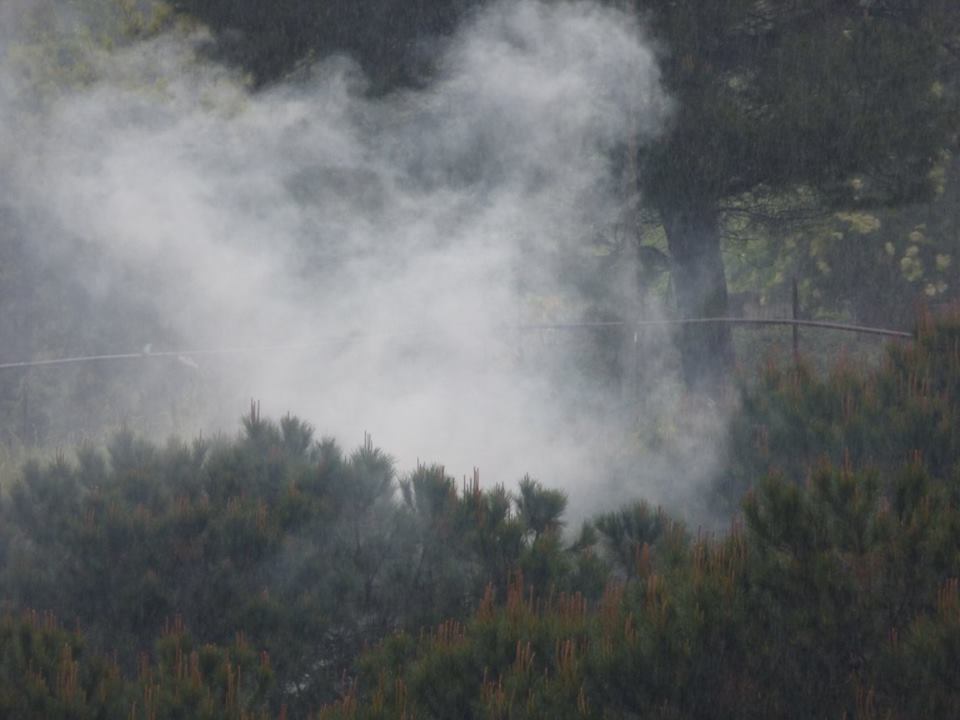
<point x="274" y="575"/>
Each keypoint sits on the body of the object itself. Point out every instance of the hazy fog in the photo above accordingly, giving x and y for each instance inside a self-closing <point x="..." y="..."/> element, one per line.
<point x="402" y="238"/>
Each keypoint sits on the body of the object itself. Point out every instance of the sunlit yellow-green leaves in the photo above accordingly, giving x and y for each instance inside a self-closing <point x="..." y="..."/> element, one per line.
<point x="55" y="46"/>
<point x="860" y="223"/>
<point x="911" y="264"/>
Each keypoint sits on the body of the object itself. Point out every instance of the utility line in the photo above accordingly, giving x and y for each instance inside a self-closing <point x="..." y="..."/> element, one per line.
<point x="178" y="354"/>
<point x="183" y="354"/>
<point x="724" y="321"/>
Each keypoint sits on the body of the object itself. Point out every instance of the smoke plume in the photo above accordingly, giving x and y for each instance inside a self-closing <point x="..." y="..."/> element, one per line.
<point x="385" y="247"/>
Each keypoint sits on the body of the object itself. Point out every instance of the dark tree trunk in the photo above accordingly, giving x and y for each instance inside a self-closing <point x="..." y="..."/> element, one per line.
<point x="700" y="287"/>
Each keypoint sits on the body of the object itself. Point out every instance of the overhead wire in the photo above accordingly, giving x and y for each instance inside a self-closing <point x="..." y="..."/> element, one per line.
<point x="182" y="355"/>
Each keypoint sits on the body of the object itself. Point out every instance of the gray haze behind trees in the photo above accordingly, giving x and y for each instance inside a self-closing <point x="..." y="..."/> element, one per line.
<point x="399" y="184"/>
<point x="400" y="235"/>
<point x="850" y="103"/>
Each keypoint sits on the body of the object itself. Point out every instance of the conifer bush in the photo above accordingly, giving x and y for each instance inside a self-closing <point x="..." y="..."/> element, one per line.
<point x="830" y="600"/>
<point x="834" y="595"/>
<point x="309" y="551"/>
<point x="275" y="575"/>
<point x="47" y="673"/>
<point x="794" y="418"/>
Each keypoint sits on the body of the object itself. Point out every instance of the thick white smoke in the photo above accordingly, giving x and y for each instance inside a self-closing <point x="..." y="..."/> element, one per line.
<point x="404" y="235"/>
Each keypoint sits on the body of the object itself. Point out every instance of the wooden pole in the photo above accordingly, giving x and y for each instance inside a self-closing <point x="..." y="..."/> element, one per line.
<point x="796" y="327"/>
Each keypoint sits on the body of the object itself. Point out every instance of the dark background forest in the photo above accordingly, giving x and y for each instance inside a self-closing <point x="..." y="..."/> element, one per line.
<point x="253" y="199"/>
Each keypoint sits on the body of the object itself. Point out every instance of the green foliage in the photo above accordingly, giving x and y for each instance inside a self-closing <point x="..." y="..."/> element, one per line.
<point x="48" y="673"/>
<point x="787" y="96"/>
<point x="907" y="409"/>
<point x="304" y="549"/>
<point x="256" y="535"/>
<point x="540" y="509"/>
<point x="875" y="265"/>
<point x="853" y="106"/>
<point x="57" y="46"/>
<point x="836" y="594"/>
<point x="829" y="602"/>
<point x="286" y="556"/>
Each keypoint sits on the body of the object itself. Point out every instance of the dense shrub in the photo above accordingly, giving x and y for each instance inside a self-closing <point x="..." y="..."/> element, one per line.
<point x="310" y="552"/>
<point x="835" y="600"/>
<point x="46" y="673"/>
<point x="795" y="418"/>
<point x="835" y="594"/>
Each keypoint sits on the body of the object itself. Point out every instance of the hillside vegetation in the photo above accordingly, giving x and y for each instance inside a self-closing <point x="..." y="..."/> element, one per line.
<point x="245" y="577"/>
<point x="510" y="226"/>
